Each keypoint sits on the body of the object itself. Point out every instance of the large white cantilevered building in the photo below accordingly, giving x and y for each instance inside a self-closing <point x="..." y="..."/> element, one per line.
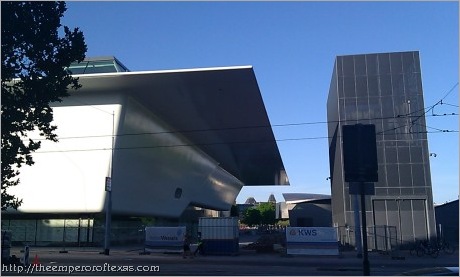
<point x="168" y="140"/>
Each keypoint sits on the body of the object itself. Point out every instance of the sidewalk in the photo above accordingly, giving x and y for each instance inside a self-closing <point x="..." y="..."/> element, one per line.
<point x="247" y="262"/>
<point x="348" y="258"/>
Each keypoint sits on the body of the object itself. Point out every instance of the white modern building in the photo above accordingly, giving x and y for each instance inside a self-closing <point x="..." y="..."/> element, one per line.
<point x="167" y="139"/>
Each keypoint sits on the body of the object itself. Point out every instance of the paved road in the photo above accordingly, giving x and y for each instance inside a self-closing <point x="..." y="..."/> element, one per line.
<point x="128" y="262"/>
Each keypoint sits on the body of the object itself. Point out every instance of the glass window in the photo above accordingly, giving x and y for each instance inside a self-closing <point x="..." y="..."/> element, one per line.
<point x="417" y="61"/>
<point x="361" y="86"/>
<point x="396" y="63"/>
<point x="405" y="175"/>
<point x="406" y="191"/>
<point x="360" y="65"/>
<point x="363" y="109"/>
<point x="378" y="128"/>
<point x="385" y="85"/>
<point x="339" y="66"/>
<point x="391" y="155"/>
<point x="342" y="108"/>
<point x="416" y="154"/>
<point x="419" y="191"/>
<point x="397" y="84"/>
<point x="427" y="175"/>
<point x="348" y="66"/>
<point x="100" y="67"/>
<point x="403" y="130"/>
<point x="407" y="225"/>
<point x="400" y="106"/>
<point x="418" y="175"/>
<point x="389" y="129"/>
<point x="403" y="154"/>
<point x="393" y="213"/>
<point x="349" y="86"/>
<point x="382" y="176"/>
<point x="384" y="63"/>
<point x="373" y="85"/>
<point x="411" y="84"/>
<point x="380" y="154"/>
<point x="351" y="112"/>
<point x="375" y="107"/>
<point x="420" y="220"/>
<point x="387" y="107"/>
<point x="408" y="62"/>
<point x="392" y="205"/>
<point x="341" y="88"/>
<point x="372" y="65"/>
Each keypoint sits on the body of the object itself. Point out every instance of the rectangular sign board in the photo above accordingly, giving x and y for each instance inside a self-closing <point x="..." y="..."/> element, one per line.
<point x="312" y="241"/>
<point x="359" y="153"/>
<point x="164" y="239"/>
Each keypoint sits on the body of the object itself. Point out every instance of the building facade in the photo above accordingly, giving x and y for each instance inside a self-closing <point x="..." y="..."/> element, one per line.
<point x="383" y="89"/>
<point x="172" y="143"/>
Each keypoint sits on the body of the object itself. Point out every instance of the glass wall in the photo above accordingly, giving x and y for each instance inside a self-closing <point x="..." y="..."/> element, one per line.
<point x="385" y="90"/>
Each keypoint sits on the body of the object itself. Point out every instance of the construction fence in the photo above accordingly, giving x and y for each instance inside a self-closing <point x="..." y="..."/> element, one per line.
<point x="381" y="238"/>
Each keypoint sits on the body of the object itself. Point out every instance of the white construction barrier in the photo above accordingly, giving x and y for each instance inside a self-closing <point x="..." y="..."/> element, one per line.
<point x="311" y="241"/>
<point x="164" y="239"/>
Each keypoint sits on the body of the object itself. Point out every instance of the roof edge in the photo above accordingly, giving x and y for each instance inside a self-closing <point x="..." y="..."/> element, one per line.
<point x="169" y="71"/>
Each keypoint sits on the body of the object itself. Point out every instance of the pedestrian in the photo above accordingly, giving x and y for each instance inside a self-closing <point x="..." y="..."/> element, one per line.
<point x="186" y="250"/>
<point x="199" y="248"/>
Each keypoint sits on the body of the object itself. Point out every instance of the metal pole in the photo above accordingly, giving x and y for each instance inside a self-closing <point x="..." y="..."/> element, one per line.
<point x="108" y="188"/>
<point x="357" y="226"/>
<point x="108" y="212"/>
<point x="366" y="267"/>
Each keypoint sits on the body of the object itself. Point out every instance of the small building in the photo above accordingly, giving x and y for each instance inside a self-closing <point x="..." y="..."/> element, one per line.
<point x="447" y="221"/>
<point x="305" y="210"/>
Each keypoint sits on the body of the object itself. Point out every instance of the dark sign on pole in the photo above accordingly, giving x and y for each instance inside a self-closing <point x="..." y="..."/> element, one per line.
<point x="360" y="153"/>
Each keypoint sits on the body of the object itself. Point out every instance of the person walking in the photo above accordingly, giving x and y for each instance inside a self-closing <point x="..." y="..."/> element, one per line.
<point x="199" y="248"/>
<point x="186" y="250"/>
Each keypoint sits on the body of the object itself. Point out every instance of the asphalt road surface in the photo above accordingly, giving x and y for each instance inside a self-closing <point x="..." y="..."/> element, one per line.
<point x="123" y="262"/>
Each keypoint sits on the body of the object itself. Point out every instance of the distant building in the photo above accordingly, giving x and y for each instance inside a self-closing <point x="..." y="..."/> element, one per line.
<point x="447" y="219"/>
<point x="305" y="210"/>
<point x="251" y="200"/>
<point x="271" y="199"/>
<point x="384" y="89"/>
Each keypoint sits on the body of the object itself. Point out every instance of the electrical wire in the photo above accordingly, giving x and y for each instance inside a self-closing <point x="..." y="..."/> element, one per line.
<point x="217" y="143"/>
<point x="409" y="115"/>
<point x="242" y="127"/>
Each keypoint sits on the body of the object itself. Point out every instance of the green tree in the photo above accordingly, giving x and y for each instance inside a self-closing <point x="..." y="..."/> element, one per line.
<point x="34" y="58"/>
<point x="251" y="217"/>
<point x="267" y="213"/>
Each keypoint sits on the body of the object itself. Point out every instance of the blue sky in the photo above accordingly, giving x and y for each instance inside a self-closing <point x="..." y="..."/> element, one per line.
<point x="292" y="47"/>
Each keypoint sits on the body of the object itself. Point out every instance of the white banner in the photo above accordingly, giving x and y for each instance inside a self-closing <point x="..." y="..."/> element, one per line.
<point x="311" y="234"/>
<point x="312" y="240"/>
<point x="165" y="238"/>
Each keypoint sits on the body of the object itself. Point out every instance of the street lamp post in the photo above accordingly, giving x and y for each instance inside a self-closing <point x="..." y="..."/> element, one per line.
<point x="108" y="189"/>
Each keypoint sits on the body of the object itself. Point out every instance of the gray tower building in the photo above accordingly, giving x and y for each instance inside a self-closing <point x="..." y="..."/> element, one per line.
<point x="384" y="89"/>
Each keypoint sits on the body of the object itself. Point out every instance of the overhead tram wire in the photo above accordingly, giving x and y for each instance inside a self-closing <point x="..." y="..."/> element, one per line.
<point x="426" y="110"/>
<point x="433" y="106"/>
<point x="251" y="127"/>
<point x="217" y="143"/>
<point x="273" y="125"/>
